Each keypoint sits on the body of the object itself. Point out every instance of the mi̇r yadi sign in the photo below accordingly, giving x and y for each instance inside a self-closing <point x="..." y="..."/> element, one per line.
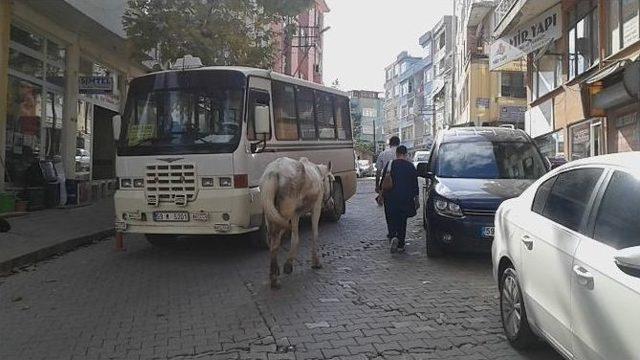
<point x="544" y="29"/>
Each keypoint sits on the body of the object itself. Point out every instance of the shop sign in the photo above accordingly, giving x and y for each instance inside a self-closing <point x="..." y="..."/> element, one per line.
<point x="95" y="84"/>
<point x="482" y="103"/>
<point x="512" y="114"/>
<point x="538" y="33"/>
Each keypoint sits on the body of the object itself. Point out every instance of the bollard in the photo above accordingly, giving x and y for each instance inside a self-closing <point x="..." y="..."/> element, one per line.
<point x="120" y="242"/>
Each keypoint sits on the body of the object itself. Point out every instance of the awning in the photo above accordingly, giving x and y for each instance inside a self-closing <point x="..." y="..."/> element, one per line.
<point x="438" y="85"/>
<point x="606" y="72"/>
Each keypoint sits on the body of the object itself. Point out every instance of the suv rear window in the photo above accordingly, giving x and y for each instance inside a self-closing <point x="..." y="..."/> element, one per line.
<point x="490" y="160"/>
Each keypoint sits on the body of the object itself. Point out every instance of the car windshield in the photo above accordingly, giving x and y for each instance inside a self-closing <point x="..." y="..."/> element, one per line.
<point x="421" y="157"/>
<point x="490" y="160"/>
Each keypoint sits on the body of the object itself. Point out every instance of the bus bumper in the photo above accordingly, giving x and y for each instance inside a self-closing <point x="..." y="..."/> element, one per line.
<point x="214" y="212"/>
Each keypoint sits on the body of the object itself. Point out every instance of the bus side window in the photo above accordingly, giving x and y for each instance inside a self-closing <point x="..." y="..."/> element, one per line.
<point x="324" y="116"/>
<point x="256" y="97"/>
<point x="284" y="111"/>
<point x="343" y="117"/>
<point x="306" y="113"/>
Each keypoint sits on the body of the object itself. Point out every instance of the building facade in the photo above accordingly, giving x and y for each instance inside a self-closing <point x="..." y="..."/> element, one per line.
<point x="60" y="85"/>
<point x="299" y="45"/>
<point x="484" y="97"/>
<point x="442" y="92"/>
<point x="367" y="117"/>
<point x="582" y="72"/>
<point x="426" y="111"/>
<point x="403" y="78"/>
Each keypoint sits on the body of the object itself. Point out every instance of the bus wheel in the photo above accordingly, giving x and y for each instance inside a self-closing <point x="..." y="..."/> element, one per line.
<point x="337" y="210"/>
<point x="260" y="238"/>
<point x="160" y="239"/>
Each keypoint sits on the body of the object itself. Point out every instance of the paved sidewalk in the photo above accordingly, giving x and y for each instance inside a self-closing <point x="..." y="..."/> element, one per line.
<point x="41" y="234"/>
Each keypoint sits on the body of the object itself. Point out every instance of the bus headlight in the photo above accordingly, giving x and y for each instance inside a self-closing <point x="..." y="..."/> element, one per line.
<point x="125" y="183"/>
<point x="207" y="182"/>
<point x="138" y="183"/>
<point x="225" y="182"/>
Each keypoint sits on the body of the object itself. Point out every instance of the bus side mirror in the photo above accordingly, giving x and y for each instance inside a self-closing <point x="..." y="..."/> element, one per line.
<point x="116" y="121"/>
<point x="261" y="120"/>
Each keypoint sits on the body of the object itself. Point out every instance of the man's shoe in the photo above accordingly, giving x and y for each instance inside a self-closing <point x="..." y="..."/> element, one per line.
<point x="394" y="245"/>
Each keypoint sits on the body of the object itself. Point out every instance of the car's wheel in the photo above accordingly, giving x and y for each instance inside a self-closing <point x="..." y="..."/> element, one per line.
<point x="434" y="248"/>
<point x="337" y="209"/>
<point x="260" y="238"/>
<point x="512" y="311"/>
<point x="160" y="239"/>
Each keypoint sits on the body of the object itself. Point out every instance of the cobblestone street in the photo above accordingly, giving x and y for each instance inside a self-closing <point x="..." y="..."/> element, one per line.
<point x="202" y="299"/>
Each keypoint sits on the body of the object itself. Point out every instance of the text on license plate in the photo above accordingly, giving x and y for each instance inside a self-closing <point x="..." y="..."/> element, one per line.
<point x="175" y="216"/>
<point x="488" y="231"/>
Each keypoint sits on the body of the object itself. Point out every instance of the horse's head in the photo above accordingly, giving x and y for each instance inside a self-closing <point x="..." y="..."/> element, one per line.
<point x="327" y="182"/>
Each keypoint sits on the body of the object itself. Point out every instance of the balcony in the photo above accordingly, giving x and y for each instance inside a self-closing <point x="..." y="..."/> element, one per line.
<point x="511" y="13"/>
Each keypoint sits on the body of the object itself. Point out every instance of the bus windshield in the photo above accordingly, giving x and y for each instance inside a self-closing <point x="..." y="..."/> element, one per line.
<point x="182" y="121"/>
<point x="490" y="160"/>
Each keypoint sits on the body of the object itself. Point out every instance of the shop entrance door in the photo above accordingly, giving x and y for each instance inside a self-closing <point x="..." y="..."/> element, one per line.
<point x="597" y="141"/>
<point x="104" y="148"/>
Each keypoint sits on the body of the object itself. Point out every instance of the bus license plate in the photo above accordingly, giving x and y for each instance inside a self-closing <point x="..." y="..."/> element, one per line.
<point x="171" y="216"/>
<point x="488" y="231"/>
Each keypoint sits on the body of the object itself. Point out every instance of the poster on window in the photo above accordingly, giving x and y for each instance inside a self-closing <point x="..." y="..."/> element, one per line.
<point x="580" y="140"/>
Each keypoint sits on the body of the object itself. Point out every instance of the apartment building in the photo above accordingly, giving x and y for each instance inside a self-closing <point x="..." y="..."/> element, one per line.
<point x="443" y="40"/>
<point x="484" y="97"/>
<point x="582" y="71"/>
<point x="367" y="117"/>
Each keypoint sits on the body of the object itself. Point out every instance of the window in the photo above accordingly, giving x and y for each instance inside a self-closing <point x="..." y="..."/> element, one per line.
<point x="583" y="37"/>
<point x="428" y="75"/>
<point x="324" y="116"/>
<point x="369" y="112"/>
<point x="617" y="222"/>
<point x="512" y="84"/>
<point x="441" y="41"/>
<point x="306" y="113"/>
<point x="541" y="196"/>
<point x="256" y="97"/>
<point x="547" y="75"/>
<point x="343" y="118"/>
<point x="403" y="68"/>
<point x="284" y="111"/>
<point x="569" y="197"/>
<point x="623" y="24"/>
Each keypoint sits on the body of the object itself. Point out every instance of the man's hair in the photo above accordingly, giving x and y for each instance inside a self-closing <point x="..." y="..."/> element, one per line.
<point x="401" y="150"/>
<point x="394" y="141"/>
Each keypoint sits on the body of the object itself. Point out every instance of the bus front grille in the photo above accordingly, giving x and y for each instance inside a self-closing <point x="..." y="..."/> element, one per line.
<point x="170" y="183"/>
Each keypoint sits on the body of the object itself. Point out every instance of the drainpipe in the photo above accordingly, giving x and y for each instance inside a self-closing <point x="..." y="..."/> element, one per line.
<point x="5" y="27"/>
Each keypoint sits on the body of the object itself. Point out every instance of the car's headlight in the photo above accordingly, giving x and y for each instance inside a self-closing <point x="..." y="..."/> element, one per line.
<point x="138" y="183"/>
<point x="447" y="208"/>
<point x="225" y="182"/>
<point x="208" y="182"/>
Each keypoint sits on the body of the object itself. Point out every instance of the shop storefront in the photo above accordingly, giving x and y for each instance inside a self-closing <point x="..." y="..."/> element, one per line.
<point x="587" y="139"/>
<point x="624" y="132"/>
<point x="551" y="145"/>
<point x="63" y="89"/>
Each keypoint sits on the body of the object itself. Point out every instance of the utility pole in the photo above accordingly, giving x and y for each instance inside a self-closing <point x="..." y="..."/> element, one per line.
<point x="375" y="143"/>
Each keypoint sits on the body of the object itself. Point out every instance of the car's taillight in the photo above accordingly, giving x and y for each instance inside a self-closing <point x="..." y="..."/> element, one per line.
<point x="241" y="181"/>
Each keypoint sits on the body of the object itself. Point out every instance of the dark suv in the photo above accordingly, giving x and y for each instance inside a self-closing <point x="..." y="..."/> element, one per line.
<point x="471" y="171"/>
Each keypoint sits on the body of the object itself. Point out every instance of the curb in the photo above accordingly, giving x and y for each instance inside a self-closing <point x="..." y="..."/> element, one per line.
<point x="59" y="248"/>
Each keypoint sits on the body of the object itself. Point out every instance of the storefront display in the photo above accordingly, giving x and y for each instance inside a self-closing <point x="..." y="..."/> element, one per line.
<point x="580" y="140"/>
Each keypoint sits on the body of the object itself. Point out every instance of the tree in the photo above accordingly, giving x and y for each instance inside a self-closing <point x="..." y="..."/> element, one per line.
<point x="219" y="32"/>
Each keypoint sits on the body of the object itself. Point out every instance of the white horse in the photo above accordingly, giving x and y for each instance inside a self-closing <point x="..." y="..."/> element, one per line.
<point x="290" y="189"/>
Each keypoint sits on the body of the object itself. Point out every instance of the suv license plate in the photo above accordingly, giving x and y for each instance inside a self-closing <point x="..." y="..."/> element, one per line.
<point x="171" y="216"/>
<point x="488" y="231"/>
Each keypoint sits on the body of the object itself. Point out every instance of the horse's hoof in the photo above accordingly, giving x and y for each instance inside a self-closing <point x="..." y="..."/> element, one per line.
<point x="288" y="268"/>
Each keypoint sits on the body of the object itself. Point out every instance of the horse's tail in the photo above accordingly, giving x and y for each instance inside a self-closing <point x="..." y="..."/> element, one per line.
<point x="268" y="192"/>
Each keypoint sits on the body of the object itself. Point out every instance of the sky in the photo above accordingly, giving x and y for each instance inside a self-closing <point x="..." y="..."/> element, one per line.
<point x="367" y="35"/>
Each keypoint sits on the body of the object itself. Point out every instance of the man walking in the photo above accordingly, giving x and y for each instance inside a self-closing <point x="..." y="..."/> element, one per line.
<point x="383" y="159"/>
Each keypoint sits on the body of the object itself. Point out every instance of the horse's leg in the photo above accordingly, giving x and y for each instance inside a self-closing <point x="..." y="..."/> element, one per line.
<point x="275" y="235"/>
<point x="315" y="219"/>
<point x="295" y="242"/>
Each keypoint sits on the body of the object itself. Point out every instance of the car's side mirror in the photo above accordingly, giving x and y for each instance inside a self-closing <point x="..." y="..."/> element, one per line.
<point x="628" y="260"/>
<point x="423" y="170"/>
<point x="262" y="121"/>
<point x="116" y="122"/>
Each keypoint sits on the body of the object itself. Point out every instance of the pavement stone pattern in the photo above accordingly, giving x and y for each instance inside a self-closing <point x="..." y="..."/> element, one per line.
<point x="210" y="299"/>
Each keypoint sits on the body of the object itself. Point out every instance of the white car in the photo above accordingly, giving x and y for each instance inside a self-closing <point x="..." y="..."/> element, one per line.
<point x="566" y="255"/>
<point x="420" y="156"/>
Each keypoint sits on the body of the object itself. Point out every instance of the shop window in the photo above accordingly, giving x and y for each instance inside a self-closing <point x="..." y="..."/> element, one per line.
<point x="547" y="74"/>
<point x="284" y="110"/>
<point x="551" y="145"/>
<point x="512" y="84"/>
<point x="586" y="139"/>
<point x="583" y="37"/>
<point x="25" y="64"/>
<point x="623" y="24"/>
<point x="53" y="124"/>
<point x="24" y="114"/>
<point x="26" y="38"/>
